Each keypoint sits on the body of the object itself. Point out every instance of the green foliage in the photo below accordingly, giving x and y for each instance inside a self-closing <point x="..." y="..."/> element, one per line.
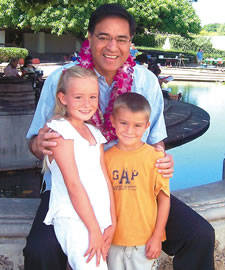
<point x="149" y="40"/>
<point x="214" y="28"/>
<point x="6" y="53"/>
<point x="190" y="44"/>
<point x="194" y="43"/>
<point x="221" y="29"/>
<point x="61" y="16"/>
<point x="35" y="6"/>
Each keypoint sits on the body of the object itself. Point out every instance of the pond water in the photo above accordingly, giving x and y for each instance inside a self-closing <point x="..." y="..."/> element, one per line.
<point x="200" y="161"/>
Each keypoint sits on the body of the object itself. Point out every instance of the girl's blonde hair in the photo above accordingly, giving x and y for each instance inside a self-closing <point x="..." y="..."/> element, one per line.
<point x="60" y="110"/>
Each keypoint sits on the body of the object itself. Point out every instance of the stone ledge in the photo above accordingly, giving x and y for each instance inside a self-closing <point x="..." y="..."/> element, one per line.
<point x="16" y="217"/>
<point x="208" y="200"/>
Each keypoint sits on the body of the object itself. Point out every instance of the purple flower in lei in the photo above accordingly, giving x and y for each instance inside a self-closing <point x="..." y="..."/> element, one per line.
<point x="123" y="83"/>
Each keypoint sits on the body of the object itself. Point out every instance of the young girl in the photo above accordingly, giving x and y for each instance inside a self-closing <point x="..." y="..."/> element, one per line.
<point x="81" y="206"/>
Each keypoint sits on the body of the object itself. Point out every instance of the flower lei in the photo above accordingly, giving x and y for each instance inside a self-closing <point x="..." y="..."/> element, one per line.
<point x="123" y="83"/>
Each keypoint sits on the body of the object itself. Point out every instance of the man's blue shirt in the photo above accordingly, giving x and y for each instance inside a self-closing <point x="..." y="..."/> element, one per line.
<point x="144" y="83"/>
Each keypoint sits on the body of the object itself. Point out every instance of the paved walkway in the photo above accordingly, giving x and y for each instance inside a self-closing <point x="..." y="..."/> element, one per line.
<point x="188" y="73"/>
<point x="195" y="74"/>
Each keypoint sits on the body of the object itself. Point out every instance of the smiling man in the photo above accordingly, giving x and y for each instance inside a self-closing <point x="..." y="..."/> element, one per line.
<point x="109" y="46"/>
<point x="190" y="238"/>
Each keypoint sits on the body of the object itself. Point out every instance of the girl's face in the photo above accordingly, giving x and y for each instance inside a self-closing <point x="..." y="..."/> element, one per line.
<point x="81" y="98"/>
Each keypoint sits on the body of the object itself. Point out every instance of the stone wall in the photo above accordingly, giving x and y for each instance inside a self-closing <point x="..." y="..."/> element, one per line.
<point x="209" y="202"/>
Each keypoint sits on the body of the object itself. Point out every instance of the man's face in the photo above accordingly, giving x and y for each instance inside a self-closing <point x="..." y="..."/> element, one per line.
<point x="109" y="55"/>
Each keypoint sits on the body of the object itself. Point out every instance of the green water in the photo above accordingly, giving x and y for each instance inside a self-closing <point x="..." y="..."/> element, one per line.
<point x="201" y="161"/>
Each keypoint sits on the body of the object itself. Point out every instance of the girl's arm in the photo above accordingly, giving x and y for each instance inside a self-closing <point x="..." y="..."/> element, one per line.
<point x="154" y="243"/>
<point x="63" y="154"/>
<point x="109" y="232"/>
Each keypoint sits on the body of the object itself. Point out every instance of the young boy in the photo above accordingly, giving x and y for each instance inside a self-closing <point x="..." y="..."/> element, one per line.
<point x="141" y="194"/>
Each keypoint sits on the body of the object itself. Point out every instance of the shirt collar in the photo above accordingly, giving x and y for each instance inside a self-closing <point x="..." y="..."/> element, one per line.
<point x="102" y="78"/>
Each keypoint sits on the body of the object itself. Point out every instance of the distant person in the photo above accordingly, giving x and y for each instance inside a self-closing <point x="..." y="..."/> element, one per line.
<point x="133" y="50"/>
<point x="31" y="72"/>
<point x="11" y="69"/>
<point x="81" y="206"/>
<point x="141" y="194"/>
<point x="199" y="56"/>
<point x="142" y="59"/>
<point x="75" y="56"/>
<point x="155" y="68"/>
<point x="157" y="71"/>
<point x="28" y="70"/>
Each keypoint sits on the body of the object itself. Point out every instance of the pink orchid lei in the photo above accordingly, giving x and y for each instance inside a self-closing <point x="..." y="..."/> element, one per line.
<point x="123" y="83"/>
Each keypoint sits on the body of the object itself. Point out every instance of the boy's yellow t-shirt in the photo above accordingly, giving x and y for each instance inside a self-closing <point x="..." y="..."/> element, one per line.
<point x="136" y="183"/>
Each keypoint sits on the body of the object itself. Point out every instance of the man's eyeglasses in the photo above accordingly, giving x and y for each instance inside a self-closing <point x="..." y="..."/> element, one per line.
<point x="105" y="39"/>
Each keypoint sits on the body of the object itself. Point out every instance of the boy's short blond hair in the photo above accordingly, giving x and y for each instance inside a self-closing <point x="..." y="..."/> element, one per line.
<point x="133" y="102"/>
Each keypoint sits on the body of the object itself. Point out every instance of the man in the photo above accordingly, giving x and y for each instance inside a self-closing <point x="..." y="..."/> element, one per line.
<point x="133" y="50"/>
<point x="111" y="28"/>
<point x="199" y="56"/>
<point x="11" y="69"/>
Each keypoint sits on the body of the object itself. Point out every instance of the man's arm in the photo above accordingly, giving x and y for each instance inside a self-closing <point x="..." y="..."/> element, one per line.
<point x="39" y="144"/>
<point x="153" y="94"/>
<point x="38" y="133"/>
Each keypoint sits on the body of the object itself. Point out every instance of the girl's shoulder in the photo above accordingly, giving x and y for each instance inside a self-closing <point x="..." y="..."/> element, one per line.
<point x="97" y="134"/>
<point x="63" y="127"/>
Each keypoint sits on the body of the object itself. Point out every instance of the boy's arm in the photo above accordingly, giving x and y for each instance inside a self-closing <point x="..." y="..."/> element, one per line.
<point x="63" y="154"/>
<point x="154" y="244"/>
<point x="109" y="232"/>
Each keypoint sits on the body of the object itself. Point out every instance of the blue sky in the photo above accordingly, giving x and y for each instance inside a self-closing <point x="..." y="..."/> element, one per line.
<point x="210" y="11"/>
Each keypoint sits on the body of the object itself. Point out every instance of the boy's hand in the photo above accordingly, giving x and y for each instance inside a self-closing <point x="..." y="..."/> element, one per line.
<point x="96" y="247"/>
<point x="153" y="248"/>
<point x="165" y="164"/>
<point x="108" y="236"/>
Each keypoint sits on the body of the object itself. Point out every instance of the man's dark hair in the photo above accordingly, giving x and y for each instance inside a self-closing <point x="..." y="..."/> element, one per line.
<point x="111" y="10"/>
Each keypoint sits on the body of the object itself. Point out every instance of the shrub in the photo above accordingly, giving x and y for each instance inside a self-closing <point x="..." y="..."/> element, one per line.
<point x="148" y="40"/>
<point x="9" y="52"/>
<point x="194" y="43"/>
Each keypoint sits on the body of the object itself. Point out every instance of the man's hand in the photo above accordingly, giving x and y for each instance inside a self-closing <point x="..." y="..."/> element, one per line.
<point x="40" y="144"/>
<point x="165" y="164"/>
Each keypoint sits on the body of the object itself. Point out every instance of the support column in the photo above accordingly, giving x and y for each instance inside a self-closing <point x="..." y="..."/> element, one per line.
<point x="77" y="45"/>
<point x="2" y="37"/>
<point x="41" y="42"/>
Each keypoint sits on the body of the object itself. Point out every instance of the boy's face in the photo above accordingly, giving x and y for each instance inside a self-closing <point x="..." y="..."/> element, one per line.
<point x="130" y="127"/>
